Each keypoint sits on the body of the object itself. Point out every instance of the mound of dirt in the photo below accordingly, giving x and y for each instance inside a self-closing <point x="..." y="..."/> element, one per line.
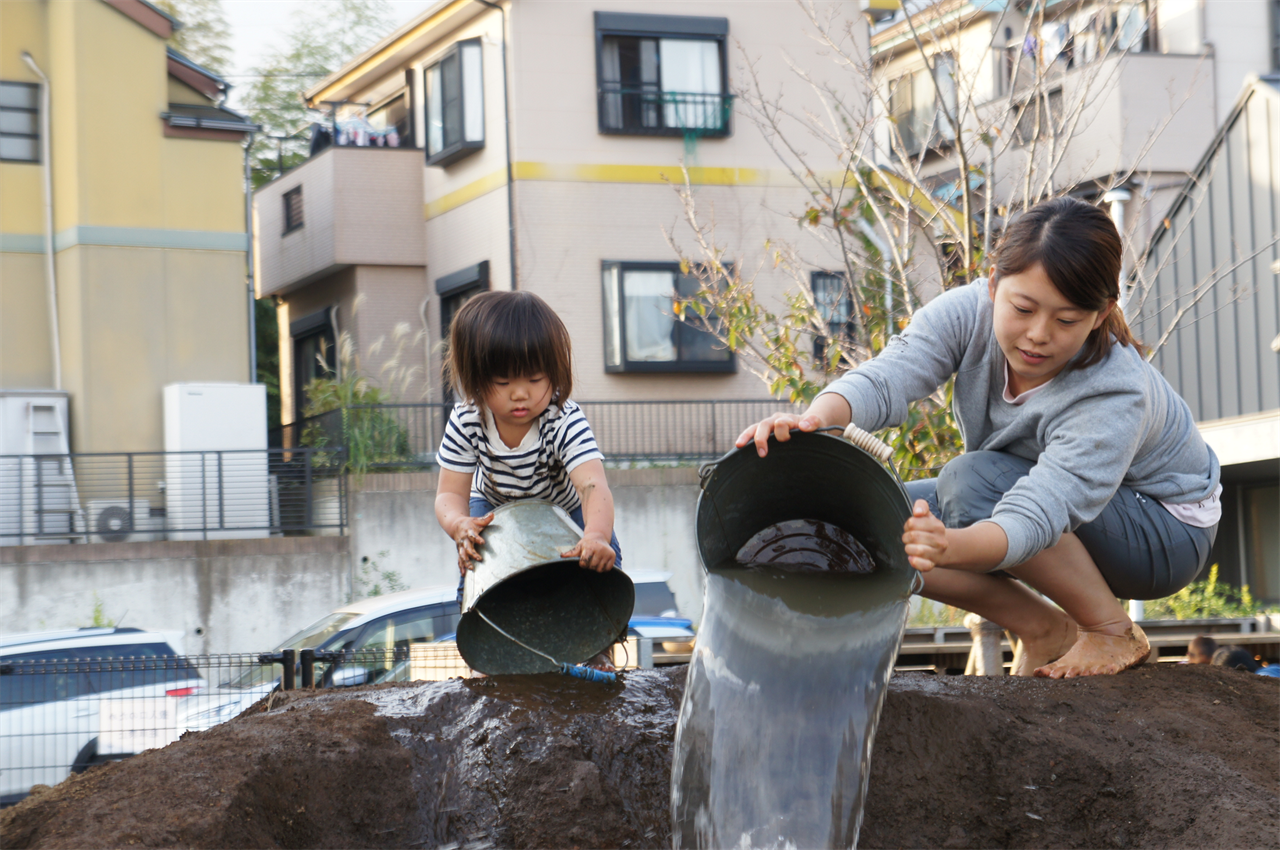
<point x="1155" y="757"/>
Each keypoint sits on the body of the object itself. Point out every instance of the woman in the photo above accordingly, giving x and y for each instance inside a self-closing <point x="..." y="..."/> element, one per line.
<point x="1084" y="475"/>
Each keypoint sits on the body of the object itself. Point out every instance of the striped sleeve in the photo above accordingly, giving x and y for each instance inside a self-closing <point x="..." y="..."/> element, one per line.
<point x="574" y="443"/>
<point x="457" y="447"/>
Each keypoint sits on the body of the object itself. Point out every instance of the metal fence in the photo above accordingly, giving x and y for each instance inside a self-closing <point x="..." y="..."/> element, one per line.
<point x="407" y="435"/>
<point x="144" y="496"/>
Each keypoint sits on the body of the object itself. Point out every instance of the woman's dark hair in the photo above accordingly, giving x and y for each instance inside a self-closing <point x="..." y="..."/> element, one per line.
<point x="1079" y="249"/>
<point x="508" y="335"/>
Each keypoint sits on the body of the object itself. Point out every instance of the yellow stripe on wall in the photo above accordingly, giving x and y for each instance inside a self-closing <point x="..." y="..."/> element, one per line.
<point x="605" y="173"/>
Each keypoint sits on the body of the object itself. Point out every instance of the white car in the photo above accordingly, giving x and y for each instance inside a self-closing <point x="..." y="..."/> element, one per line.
<point x="71" y="699"/>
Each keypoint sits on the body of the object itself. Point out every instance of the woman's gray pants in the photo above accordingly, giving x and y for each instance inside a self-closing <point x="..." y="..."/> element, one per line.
<point x="1141" y="549"/>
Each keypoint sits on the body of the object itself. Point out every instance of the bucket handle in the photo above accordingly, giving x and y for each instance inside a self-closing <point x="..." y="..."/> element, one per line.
<point x="866" y="441"/>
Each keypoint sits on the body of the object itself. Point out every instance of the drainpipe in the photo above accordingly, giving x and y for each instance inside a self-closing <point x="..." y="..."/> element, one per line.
<point x="1117" y="198"/>
<point x="47" y="169"/>
<point x="506" y="117"/>
<point x="249" y="280"/>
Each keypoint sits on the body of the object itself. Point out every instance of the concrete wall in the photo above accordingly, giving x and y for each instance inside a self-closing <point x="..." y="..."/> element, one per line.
<point x="393" y="525"/>
<point x="249" y="595"/>
<point x="225" y="596"/>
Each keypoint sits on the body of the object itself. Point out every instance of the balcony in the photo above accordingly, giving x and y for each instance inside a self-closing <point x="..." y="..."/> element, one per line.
<point x="645" y="111"/>
<point x="344" y="207"/>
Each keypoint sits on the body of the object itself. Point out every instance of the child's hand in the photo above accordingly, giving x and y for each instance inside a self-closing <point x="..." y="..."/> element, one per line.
<point x="925" y="537"/>
<point x="466" y="533"/>
<point x="594" y="551"/>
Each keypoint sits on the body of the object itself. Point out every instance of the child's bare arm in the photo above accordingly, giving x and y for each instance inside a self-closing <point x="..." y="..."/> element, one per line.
<point x="453" y="512"/>
<point x="595" y="550"/>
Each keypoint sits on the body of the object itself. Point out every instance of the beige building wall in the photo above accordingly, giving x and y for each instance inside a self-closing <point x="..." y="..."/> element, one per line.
<point x="149" y="228"/>
<point x="26" y="357"/>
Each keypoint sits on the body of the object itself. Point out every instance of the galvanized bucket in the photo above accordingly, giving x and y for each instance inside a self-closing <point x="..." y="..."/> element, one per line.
<point x="809" y="477"/>
<point x="536" y="596"/>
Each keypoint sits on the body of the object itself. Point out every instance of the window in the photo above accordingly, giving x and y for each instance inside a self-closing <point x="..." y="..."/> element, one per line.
<point x="455" y="104"/>
<point x="456" y="289"/>
<point x="662" y="75"/>
<point x="313" y="355"/>
<point x="835" y="307"/>
<point x="1275" y="35"/>
<point x="1039" y="117"/>
<point x="920" y="109"/>
<point x="293" y="209"/>
<point x="19" y="122"/>
<point x="642" y="333"/>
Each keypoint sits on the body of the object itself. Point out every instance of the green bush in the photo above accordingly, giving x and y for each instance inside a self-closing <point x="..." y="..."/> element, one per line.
<point x="1203" y="600"/>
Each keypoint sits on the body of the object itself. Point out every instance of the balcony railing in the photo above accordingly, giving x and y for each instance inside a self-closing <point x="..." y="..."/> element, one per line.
<point x="645" y="111"/>
<point x="151" y="496"/>
<point x="407" y="435"/>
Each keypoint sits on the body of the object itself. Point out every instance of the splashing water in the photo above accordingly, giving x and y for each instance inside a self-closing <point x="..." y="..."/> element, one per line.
<point x="773" y="744"/>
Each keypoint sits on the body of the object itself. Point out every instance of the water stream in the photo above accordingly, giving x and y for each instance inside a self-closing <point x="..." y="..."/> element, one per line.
<point x="773" y="743"/>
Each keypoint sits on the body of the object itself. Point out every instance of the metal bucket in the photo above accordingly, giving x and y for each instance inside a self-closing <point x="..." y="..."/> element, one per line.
<point x="809" y="477"/>
<point x="533" y="594"/>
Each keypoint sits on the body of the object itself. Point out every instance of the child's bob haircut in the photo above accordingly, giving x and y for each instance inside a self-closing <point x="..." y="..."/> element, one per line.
<point x="1079" y="249"/>
<point x="500" y="335"/>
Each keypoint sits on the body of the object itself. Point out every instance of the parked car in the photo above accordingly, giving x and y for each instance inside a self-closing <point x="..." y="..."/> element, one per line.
<point x="656" y="617"/>
<point x="389" y="622"/>
<point x="399" y="620"/>
<point x="72" y="699"/>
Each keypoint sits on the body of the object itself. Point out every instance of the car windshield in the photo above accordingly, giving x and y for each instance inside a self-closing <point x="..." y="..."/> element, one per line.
<point x="653" y="599"/>
<point x="314" y="635"/>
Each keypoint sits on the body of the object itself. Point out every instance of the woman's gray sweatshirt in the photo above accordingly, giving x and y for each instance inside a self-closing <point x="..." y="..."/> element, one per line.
<point x="1088" y="431"/>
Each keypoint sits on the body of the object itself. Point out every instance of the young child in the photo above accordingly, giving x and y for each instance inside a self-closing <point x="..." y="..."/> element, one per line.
<point x="516" y="435"/>
<point x="1084" y="475"/>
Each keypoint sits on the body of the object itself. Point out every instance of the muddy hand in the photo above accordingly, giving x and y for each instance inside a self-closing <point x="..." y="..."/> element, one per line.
<point x="779" y="426"/>
<point x="593" y="552"/>
<point x="468" y="536"/>
<point x="925" y="537"/>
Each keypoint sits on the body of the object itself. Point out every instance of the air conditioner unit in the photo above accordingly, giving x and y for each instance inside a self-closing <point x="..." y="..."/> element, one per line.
<point x="112" y="521"/>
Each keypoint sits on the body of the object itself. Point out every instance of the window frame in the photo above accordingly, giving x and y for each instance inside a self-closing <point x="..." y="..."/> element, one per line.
<point x="686" y="27"/>
<point x="290" y="222"/>
<point x="845" y="333"/>
<point x="451" y="153"/>
<point x="627" y="366"/>
<point x="35" y="137"/>
<point x="936" y="135"/>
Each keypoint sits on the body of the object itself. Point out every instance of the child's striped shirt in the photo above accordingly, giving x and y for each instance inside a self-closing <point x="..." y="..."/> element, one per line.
<point x="559" y="441"/>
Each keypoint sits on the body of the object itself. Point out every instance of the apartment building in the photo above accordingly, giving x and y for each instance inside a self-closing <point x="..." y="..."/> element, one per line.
<point x="131" y="275"/>
<point x="537" y="146"/>
<point x="1102" y="97"/>
<point x="1210" y="305"/>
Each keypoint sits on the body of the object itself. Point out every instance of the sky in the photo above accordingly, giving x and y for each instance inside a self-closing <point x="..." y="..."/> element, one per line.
<point x="256" y="25"/>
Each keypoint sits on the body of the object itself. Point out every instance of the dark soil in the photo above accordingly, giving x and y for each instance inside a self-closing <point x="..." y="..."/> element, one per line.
<point x="1165" y="757"/>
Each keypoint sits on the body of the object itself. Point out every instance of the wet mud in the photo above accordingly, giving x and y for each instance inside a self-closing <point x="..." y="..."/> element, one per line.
<point x="1168" y="757"/>
<point x="807" y="545"/>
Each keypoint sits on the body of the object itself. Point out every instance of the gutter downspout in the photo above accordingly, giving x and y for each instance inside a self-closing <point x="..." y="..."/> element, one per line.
<point x="47" y="168"/>
<point x="249" y="278"/>
<point x="506" y="116"/>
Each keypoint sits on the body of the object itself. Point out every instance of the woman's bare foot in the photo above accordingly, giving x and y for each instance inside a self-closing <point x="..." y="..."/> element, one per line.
<point x="602" y="662"/>
<point x="1097" y="653"/>
<point x="1037" y="652"/>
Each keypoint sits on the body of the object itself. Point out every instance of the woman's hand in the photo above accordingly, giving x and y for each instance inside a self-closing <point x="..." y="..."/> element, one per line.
<point x="466" y="533"/>
<point x="594" y="552"/>
<point x="779" y="426"/>
<point x="925" y="537"/>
